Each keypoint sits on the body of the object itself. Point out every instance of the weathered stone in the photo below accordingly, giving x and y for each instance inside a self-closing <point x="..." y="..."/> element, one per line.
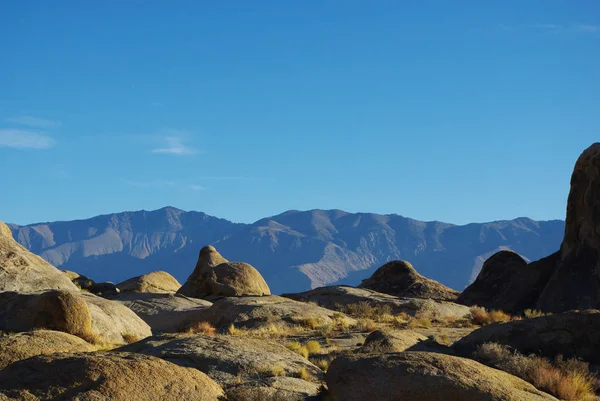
<point x="400" y="278"/>
<point x="18" y="346"/>
<point x="571" y="334"/>
<point x="154" y="282"/>
<point x="163" y="312"/>
<point x="235" y="361"/>
<point x="104" y="376"/>
<point x="419" y="376"/>
<point x="224" y="279"/>
<point x="22" y="271"/>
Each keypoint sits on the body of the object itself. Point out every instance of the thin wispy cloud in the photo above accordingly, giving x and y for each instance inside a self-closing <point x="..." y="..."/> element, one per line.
<point x="158" y="104"/>
<point x="34" y="122"/>
<point x="24" y="139"/>
<point x="153" y="183"/>
<point x="175" y="146"/>
<point x="554" y="28"/>
<point x="197" y="187"/>
<point x="229" y="178"/>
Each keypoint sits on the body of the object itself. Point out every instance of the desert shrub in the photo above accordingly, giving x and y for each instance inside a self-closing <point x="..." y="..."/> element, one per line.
<point x="569" y="380"/>
<point x="367" y="325"/>
<point x="533" y="313"/>
<point x="321" y="363"/>
<point x="310" y="322"/>
<point x="298" y="348"/>
<point x="361" y="309"/>
<point x="313" y="347"/>
<point x="480" y="316"/>
<point x="201" y="328"/>
<point x="130" y="338"/>
<point x="233" y="331"/>
<point x="420" y="323"/>
<point x="303" y="374"/>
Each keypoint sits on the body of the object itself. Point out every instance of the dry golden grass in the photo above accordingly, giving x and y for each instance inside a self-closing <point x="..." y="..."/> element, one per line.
<point x="313" y="347"/>
<point x="271" y="371"/>
<point x="321" y="363"/>
<point x="481" y="317"/>
<point x="298" y="348"/>
<point x="533" y="313"/>
<point x="233" y="331"/>
<point x="201" y="328"/>
<point x="569" y="380"/>
<point x="420" y="323"/>
<point x="367" y="325"/>
<point x="303" y="374"/>
<point x="130" y="338"/>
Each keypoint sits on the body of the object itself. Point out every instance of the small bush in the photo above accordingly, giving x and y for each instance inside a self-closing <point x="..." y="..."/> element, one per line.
<point x="201" y="328"/>
<point x="233" y="331"/>
<point x="303" y="374"/>
<point x="321" y="363"/>
<point x="482" y="317"/>
<point x="533" y="313"/>
<point x="569" y="380"/>
<point x="367" y="325"/>
<point x="313" y="347"/>
<point x="420" y="323"/>
<point x="298" y="348"/>
<point x="130" y="338"/>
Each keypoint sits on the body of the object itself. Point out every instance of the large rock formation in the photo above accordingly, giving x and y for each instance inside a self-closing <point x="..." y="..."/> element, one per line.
<point x="566" y="280"/>
<point x="112" y="376"/>
<point x="163" y="312"/>
<point x="214" y="275"/>
<point x="418" y="376"/>
<point x="90" y="317"/>
<point x="155" y="282"/>
<point x="18" y="346"/>
<point x="508" y="283"/>
<point x="233" y="361"/>
<point x="575" y="283"/>
<point x="336" y="296"/>
<point x="22" y="271"/>
<point x="571" y="334"/>
<point x="400" y="278"/>
<point x="254" y="312"/>
<point x="385" y="341"/>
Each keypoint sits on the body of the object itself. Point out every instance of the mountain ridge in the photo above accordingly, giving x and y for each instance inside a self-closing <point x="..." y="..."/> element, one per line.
<point x="294" y="250"/>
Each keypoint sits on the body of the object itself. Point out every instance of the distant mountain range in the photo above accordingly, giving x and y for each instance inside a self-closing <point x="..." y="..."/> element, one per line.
<point x="294" y="250"/>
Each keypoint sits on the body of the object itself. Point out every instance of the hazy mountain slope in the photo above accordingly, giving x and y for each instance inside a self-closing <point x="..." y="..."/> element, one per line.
<point x="294" y="250"/>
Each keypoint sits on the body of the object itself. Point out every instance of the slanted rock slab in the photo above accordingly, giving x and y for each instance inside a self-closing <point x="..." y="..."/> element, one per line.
<point x="163" y="312"/>
<point x="22" y="271"/>
<point x="400" y="278"/>
<point x="18" y="346"/>
<point x="154" y="282"/>
<point x="420" y="376"/>
<point x="105" y="376"/>
<point x="234" y="361"/>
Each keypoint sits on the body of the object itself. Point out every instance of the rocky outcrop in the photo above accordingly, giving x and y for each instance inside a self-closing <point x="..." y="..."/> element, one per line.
<point x="18" y="346"/>
<point x="418" y="376"/>
<point x="155" y="282"/>
<point x="88" y="316"/>
<point x="22" y="271"/>
<point x="400" y="278"/>
<point x="575" y="282"/>
<point x="394" y="341"/>
<point x="51" y="310"/>
<point x="104" y="376"/>
<point x="571" y="334"/>
<point x="214" y="275"/>
<point x="506" y="282"/>
<point x="334" y="297"/>
<point x="254" y="312"/>
<point x="82" y="282"/>
<point x="566" y="280"/>
<point x="236" y="361"/>
<point x="163" y="312"/>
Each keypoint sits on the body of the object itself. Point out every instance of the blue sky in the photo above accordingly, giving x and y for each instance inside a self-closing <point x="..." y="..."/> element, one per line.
<point x="455" y="111"/>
